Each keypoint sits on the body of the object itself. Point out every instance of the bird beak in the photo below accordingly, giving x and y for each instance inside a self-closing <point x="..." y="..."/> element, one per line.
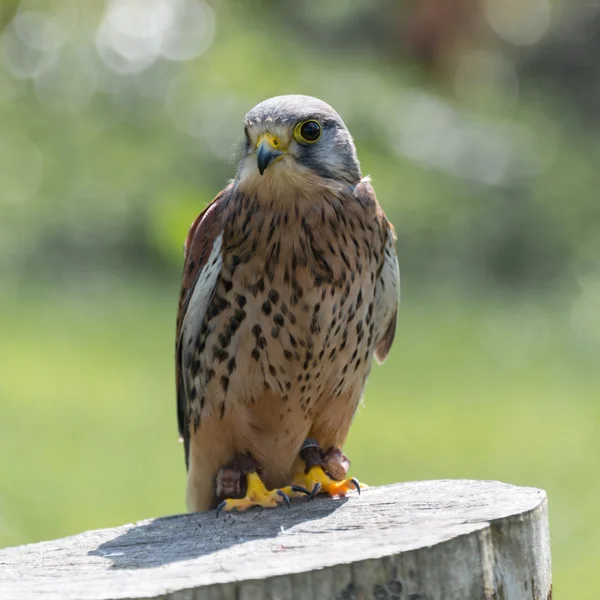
<point x="268" y="149"/>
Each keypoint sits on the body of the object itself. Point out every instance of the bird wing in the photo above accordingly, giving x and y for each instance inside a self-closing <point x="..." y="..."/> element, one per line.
<point x="387" y="296"/>
<point x="201" y="268"/>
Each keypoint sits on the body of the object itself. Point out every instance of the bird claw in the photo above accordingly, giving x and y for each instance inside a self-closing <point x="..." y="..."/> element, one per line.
<point x="316" y="489"/>
<point x="221" y="506"/>
<point x="285" y="497"/>
<point x="315" y="480"/>
<point x="319" y="482"/>
<point x="257" y="495"/>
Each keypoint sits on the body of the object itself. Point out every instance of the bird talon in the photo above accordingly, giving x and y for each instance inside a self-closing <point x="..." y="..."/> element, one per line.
<point x="257" y="495"/>
<point x="221" y="506"/>
<point x="316" y="489"/>
<point x="285" y="497"/>
<point x="319" y="482"/>
<point x="300" y="490"/>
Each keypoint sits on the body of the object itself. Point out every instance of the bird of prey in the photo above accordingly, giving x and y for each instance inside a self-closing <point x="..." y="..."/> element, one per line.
<point x="290" y="287"/>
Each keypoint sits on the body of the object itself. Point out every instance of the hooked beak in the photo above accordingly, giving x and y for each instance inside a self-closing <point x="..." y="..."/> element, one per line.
<point x="267" y="151"/>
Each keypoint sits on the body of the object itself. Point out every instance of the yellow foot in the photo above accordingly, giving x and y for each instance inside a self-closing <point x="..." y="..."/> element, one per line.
<point x="316" y="481"/>
<point x="256" y="495"/>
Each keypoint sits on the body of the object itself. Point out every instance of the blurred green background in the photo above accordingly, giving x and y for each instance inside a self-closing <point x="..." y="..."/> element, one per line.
<point x="479" y="122"/>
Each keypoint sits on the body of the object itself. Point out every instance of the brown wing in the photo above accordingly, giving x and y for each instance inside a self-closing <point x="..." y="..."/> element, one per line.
<point x="201" y="268"/>
<point x="387" y="294"/>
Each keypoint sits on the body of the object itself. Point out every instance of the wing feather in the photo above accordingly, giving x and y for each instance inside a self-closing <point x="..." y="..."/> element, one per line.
<point x="387" y="297"/>
<point x="201" y="268"/>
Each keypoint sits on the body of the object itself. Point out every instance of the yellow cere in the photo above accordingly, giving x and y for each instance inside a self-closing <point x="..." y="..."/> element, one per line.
<point x="272" y="140"/>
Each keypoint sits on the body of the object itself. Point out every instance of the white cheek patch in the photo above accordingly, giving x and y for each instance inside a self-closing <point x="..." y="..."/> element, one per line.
<point x="202" y="295"/>
<point x="248" y="169"/>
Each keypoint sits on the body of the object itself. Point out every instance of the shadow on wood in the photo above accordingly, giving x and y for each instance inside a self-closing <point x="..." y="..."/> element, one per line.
<point x="426" y="540"/>
<point x="185" y="537"/>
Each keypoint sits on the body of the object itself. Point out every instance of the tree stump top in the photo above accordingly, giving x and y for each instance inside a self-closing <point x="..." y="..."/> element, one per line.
<point x="412" y="541"/>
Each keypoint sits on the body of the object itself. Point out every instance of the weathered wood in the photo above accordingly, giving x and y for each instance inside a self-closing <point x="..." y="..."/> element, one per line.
<point x="426" y="540"/>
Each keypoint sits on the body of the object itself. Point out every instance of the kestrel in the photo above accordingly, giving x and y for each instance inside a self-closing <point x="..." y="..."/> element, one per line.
<point x="290" y="287"/>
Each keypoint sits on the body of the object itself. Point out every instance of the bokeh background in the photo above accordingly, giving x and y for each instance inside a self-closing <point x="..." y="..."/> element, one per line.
<point x="479" y="122"/>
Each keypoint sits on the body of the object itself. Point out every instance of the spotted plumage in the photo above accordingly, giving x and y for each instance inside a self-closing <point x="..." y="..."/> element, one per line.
<point x="290" y="286"/>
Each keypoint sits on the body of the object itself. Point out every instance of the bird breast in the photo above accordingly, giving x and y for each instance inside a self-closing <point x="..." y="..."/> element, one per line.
<point x="292" y="312"/>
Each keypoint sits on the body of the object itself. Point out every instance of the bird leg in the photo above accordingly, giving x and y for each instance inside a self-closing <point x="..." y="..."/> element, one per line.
<point x="230" y="481"/>
<point x="337" y="464"/>
<point x="240" y="487"/>
<point x="324" y="473"/>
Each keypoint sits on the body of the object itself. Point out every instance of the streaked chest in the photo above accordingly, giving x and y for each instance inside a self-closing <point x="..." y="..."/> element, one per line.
<point x="293" y="307"/>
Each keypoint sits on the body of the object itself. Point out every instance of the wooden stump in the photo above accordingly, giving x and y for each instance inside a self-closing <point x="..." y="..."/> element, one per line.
<point x="428" y="540"/>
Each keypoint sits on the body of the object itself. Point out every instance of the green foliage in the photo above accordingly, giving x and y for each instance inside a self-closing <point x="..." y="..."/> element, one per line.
<point x="106" y="168"/>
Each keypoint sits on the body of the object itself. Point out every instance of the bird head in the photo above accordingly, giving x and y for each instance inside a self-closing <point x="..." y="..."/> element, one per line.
<point x="292" y="138"/>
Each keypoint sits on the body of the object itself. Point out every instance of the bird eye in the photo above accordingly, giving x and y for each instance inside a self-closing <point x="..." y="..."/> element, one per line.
<point x="307" y="132"/>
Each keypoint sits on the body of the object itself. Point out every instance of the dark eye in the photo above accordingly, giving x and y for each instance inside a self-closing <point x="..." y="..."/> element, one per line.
<point x="308" y="132"/>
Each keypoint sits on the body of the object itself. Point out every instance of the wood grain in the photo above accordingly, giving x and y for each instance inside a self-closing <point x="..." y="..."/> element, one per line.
<point x="423" y="540"/>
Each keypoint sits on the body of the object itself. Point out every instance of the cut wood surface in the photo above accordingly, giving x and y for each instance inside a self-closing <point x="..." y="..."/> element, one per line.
<point x="427" y="540"/>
